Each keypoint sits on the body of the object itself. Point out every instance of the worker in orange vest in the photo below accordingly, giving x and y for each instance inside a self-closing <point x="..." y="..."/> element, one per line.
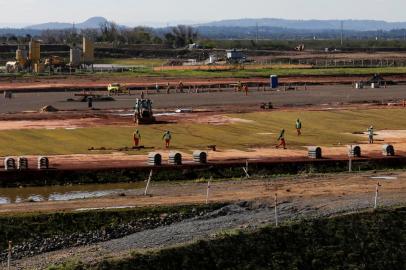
<point x="136" y="138"/>
<point x="281" y="140"/>
<point x="246" y="90"/>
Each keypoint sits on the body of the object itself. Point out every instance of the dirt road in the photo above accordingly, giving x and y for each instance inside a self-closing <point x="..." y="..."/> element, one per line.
<point x="315" y="95"/>
<point x="252" y="206"/>
<point x="62" y="83"/>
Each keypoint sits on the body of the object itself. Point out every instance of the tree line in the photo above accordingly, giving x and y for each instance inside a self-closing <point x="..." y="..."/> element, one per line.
<point x="110" y="32"/>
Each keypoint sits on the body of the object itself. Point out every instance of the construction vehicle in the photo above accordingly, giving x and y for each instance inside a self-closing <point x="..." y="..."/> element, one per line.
<point x="267" y="106"/>
<point x="13" y="66"/>
<point x="300" y="48"/>
<point x="379" y="80"/>
<point x="116" y="89"/>
<point x="143" y="112"/>
<point x="55" y="61"/>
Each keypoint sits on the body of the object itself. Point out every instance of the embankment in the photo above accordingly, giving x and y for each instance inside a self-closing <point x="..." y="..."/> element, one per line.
<point x="216" y="170"/>
<point x="370" y="240"/>
<point x="37" y="233"/>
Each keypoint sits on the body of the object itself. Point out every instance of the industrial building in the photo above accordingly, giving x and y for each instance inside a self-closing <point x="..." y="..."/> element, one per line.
<point x="235" y="56"/>
<point x="31" y="61"/>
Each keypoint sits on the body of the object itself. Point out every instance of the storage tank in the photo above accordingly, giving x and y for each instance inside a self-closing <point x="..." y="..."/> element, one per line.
<point x="88" y="51"/>
<point x="75" y="57"/>
<point x="21" y="56"/>
<point x="35" y="51"/>
<point x="39" y="68"/>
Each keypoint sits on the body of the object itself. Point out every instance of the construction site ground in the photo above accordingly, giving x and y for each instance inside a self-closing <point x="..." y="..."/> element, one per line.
<point x="251" y="206"/>
<point x="100" y="81"/>
<point x="226" y="118"/>
<point x="333" y="116"/>
<point x="225" y="99"/>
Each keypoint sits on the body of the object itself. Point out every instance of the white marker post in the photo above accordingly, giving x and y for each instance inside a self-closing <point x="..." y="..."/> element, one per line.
<point x="208" y="190"/>
<point x="148" y="182"/>
<point x="246" y="169"/>
<point x="276" y="209"/>
<point x="10" y="246"/>
<point x="376" y="195"/>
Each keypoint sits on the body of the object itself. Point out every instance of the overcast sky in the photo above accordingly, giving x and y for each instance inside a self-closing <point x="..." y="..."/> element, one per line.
<point x="133" y="12"/>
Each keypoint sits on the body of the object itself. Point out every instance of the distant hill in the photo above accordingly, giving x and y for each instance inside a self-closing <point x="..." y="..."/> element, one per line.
<point x="93" y="22"/>
<point x="355" y="25"/>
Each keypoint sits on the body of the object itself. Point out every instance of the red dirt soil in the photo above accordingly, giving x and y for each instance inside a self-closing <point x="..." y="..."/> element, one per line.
<point x="62" y="83"/>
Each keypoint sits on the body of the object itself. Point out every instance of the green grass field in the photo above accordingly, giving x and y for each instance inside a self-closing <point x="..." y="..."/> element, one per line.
<point x="132" y="61"/>
<point x="145" y="69"/>
<point x="319" y="127"/>
<point x="250" y="73"/>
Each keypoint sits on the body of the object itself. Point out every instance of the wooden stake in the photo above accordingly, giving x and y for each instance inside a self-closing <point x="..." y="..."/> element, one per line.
<point x="148" y="182"/>
<point x="208" y="190"/>
<point x="376" y="195"/>
<point x="246" y="170"/>
<point x="10" y="246"/>
<point x="276" y="209"/>
<point x="350" y="159"/>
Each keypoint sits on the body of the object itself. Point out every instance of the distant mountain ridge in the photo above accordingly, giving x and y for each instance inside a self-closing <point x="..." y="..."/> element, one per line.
<point x="93" y="22"/>
<point x="355" y="25"/>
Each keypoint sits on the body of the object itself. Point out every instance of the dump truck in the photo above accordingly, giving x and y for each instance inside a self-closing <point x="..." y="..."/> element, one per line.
<point x="143" y="112"/>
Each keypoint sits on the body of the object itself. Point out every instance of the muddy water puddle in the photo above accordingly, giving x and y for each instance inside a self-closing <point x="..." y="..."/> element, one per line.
<point x="65" y="193"/>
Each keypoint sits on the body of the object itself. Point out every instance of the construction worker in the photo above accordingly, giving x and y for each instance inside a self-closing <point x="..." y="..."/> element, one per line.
<point x="246" y="89"/>
<point x="298" y="127"/>
<point x="90" y="102"/>
<point x="239" y="86"/>
<point x="281" y="139"/>
<point x="136" y="138"/>
<point x="371" y="134"/>
<point x="180" y="87"/>
<point x="167" y="137"/>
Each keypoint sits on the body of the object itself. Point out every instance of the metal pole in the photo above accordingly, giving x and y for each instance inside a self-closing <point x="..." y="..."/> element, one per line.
<point x="376" y="195"/>
<point x="10" y="246"/>
<point x="276" y="209"/>
<point x="148" y="182"/>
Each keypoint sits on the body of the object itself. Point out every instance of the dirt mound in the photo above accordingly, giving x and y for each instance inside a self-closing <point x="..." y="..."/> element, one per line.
<point x="48" y="108"/>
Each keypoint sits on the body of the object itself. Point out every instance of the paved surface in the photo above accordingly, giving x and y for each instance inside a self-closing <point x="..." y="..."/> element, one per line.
<point x="315" y="95"/>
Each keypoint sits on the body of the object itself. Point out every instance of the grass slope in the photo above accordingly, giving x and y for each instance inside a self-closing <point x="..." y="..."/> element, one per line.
<point x="374" y="240"/>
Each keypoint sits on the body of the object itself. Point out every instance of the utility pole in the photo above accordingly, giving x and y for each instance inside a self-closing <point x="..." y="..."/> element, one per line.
<point x="257" y="32"/>
<point x="342" y="32"/>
